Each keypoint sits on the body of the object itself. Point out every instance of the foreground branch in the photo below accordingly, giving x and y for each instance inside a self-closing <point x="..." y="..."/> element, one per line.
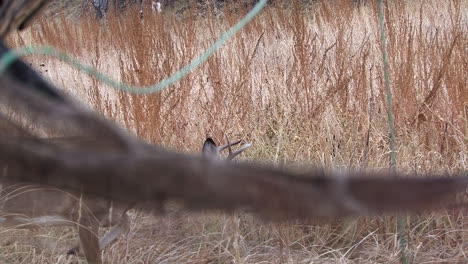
<point x="157" y="175"/>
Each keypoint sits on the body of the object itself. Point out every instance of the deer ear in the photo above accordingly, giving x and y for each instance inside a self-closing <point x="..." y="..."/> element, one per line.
<point x="210" y="149"/>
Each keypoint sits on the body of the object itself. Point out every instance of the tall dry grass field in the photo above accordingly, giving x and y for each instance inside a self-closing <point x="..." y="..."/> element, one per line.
<point x="306" y="86"/>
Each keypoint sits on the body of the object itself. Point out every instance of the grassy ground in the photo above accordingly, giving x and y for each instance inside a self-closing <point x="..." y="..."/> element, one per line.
<point x="305" y="86"/>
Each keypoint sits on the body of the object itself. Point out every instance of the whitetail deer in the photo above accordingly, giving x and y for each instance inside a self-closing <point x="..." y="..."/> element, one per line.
<point x="212" y="151"/>
<point x="30" y="206"/>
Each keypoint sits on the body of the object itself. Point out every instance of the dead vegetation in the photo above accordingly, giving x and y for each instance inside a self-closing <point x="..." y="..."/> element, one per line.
<point x="305" y="87"/>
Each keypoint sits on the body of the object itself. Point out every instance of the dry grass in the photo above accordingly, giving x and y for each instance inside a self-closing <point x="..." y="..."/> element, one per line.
<point x="305" y="86"/>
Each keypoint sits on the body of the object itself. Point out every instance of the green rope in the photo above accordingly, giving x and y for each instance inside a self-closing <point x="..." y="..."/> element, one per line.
<point x="13" y="55"/>
<point x="401" y="223"/>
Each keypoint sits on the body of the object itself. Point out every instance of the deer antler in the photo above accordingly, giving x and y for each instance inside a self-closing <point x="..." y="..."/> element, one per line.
<point x="231" y="154"/>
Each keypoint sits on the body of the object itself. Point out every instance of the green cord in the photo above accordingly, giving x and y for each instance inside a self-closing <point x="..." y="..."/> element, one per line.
<point x="401" y="223"/>
<point x="13" y="55"/>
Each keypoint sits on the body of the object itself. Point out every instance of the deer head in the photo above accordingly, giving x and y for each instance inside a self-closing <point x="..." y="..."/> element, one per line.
<point x="212" y="151"/>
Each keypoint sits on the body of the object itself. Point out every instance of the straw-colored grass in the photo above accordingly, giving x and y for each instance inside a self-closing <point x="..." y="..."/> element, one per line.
<point x="305" y="86"/>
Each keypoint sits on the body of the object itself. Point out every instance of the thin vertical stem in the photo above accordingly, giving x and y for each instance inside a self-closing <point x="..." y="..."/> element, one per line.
<point x="401" y="223"/>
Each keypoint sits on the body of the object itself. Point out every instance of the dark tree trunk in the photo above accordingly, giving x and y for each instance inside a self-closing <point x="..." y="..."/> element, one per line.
<point x="141" y="8"/>
<point x="100" y="7"/>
